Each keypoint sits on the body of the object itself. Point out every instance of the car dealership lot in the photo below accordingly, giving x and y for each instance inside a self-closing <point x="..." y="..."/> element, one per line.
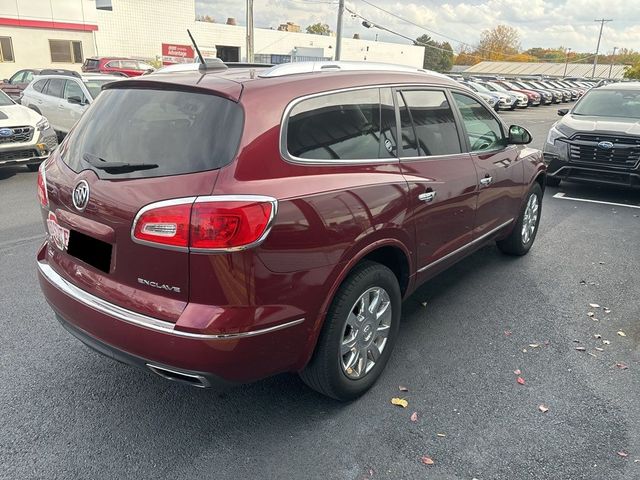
<point x="69" y="413"/>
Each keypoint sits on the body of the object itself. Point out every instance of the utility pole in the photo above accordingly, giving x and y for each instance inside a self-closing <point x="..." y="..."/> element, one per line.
<point x="595" y="59"/>
<point x="613" y="57"/>
<point x="566" y="63"/>
<point x="339" y="30"/>
<point x="250" y="31"/>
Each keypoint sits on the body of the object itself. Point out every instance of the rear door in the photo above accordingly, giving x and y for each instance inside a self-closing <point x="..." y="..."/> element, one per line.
<point x="442" y="178"/>
<point x="72" y="104"/>
<point x="499" y="167"/>
<point x="183" y="138"/>
<point x="49" y="102"/>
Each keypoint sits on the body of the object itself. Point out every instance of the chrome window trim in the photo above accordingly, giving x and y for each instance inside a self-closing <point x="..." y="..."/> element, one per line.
<point x="138" y="319"/>
<point x="464" y="247"/>
<point x="202" y="199"/>
<point x="284" y="151"/>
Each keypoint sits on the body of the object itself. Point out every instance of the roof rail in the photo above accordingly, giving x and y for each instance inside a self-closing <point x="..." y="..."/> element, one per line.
<point x="248" y="65"/>
<point x="59" y="71"/>
<point x="340" y="66"/>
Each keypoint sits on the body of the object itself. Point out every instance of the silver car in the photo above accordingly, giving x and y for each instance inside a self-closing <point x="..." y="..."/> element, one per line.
<point x="25" y="136"/>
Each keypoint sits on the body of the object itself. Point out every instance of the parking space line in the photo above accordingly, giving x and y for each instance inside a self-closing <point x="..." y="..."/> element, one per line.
<point x="561" y="196"/>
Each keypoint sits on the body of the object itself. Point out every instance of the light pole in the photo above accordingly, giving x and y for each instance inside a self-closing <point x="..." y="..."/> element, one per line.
<point x="566" y="62"/>
<point x="250" y="31"/>
<point x="613" y="57"/>
<point x="339" y="30"/>
<point x="595" y="59"/>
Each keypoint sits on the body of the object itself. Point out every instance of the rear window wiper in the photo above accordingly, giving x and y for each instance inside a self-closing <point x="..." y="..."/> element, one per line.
<point x="116" y="167"/>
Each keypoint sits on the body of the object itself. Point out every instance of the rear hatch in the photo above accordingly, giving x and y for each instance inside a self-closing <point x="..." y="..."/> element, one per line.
<point x="139" y="143"/>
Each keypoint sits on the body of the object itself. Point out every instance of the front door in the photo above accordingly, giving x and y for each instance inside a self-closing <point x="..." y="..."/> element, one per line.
<point x="500" y="169"/>
<point x="442" y="179"/>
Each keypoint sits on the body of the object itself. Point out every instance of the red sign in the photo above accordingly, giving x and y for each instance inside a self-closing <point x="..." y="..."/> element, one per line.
<point x="176" y="54"/>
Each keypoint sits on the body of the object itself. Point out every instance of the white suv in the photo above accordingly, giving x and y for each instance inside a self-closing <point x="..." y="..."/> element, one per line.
<point x="63" y="95"/>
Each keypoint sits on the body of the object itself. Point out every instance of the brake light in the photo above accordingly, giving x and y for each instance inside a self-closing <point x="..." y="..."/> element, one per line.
<point x="43" y="196"/>
<point x="218" y="223"/>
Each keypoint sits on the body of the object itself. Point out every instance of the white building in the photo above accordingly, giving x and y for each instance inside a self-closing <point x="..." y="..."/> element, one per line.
<point x="62" y="33"/>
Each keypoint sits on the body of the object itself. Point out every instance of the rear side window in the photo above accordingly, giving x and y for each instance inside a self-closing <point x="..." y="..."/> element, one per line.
<point x="433" y="121"/>
<point x="39" y="85"/>
<point x="91" y="63"/>
<point x="54" y="87"/>
<point x="176" y="132"/>
<point x="342" y="126"/>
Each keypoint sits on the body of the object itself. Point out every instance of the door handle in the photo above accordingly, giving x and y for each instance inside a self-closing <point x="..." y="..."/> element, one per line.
<point x="486" y="181"/>
<point x="427" y="196"/>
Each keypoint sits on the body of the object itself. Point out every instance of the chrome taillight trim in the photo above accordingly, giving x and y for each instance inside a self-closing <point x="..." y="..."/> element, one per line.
<point x="43" y="173"/>
<point x="208" y="199"/>
<point x="144" y="321"/>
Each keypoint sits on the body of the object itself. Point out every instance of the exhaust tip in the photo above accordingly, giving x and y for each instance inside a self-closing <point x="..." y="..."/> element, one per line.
<point x="177" y="376"/>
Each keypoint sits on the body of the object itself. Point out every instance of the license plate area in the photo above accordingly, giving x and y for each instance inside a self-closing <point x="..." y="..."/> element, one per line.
<point x="90" y="250"/>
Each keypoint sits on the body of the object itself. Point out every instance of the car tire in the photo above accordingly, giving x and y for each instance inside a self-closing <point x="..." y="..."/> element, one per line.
<point x="552" y="181"/>
<point x="519" y="241"/>
<point x="328" y="371"/>
<point x="33" y="167"/>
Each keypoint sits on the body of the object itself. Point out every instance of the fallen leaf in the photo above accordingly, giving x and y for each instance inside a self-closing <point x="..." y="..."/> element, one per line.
<point x="517" y="372"/>
<point x="424" y="304"/>
<point x="600" y="349"/>
<point x="520" y="380"/>
<point x="590" y="314"/>
<point x="441" y="435"/>
<point x="622" y="366"/>
<point x="592" y="354"/>
<point x="524" y="350"/>
<point x="602" y="263"/>
<point x="507" y="333"/>
<point x="543" y="408"/>
<point x="403" y="389"/>
<point x="623" y="454"/>
<point x="622" y="334"/>
<point x="607" y="310"/>
<point x="606" y="342"/>
<point x="580" y="349"/>
<point x="576" y="341"/>
<point x="401" y="402"/>
<point x="597" y="336"/>
<point x="595" y="319"/>
<point x="594" y="305"/>
<point x="534" y="345"/>
<point x="414" y="417"/>
<point x="582" y="282"/>
<point x="427" y="460"/>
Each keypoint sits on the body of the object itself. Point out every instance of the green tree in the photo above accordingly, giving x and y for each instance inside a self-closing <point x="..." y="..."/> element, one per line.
<point x="437" y="56"/>
<point x="319" y="29"/>
<point x="633" y="72"/>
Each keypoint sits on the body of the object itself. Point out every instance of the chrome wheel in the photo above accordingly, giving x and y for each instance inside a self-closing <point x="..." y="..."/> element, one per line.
<point x="530" y="220"/>
<point x="365" y="333"/>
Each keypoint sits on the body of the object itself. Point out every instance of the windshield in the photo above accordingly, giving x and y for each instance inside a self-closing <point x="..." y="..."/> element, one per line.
<point x="497" y="87"/>
<point x="170" y="132"/>
<point x="610" y="103"/>
<point x="5" y="100"/>
<point x="479" y="88"/>
<point x="95" y="86"/>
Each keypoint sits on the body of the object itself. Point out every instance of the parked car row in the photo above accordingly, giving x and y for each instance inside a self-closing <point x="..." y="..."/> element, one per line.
<point x="503" y="94"/>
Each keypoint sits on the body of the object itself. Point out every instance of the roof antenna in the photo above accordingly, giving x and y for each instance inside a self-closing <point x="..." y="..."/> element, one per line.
<point x="203" y="64"/>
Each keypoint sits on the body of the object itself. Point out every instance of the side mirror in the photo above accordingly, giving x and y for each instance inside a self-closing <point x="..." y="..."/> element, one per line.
<point x="519" y="135"/>
<point x="563" y="111"/>
<point x="76" y="100"/>
<point x="6" y="80"/>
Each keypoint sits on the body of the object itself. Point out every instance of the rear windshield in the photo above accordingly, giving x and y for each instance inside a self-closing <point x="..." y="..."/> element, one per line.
<point x="610" y="103"/>
<point x="95" y="86"/>
<point x="174" y="132"/>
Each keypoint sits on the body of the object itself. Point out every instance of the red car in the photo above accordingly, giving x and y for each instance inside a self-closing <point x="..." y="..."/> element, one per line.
<point x="126" y="67"/>
<point x="15" y="85"/>
<point x="235" y="224"/>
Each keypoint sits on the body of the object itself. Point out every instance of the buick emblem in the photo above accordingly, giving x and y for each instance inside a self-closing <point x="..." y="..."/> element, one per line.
<point x="80" y="195"/>
<point x="6" y="132"/>
<point x="605" y="145"/>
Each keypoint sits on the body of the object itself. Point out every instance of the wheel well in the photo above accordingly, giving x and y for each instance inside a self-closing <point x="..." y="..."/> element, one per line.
<point x="35" y="109"/>
<point x="395" y="260"/>
<point x="540" y="180"/>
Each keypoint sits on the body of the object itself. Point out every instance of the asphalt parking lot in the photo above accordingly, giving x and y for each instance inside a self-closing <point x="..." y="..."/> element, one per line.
<point x="66" y="412"/>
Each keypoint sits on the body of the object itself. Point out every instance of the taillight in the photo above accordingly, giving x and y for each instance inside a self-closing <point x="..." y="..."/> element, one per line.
<point x="43" y="196"/>
<point x="206" y="224"/>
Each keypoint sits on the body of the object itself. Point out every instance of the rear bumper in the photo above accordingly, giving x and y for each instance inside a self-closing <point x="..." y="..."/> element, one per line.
<point x="147" y="342"/>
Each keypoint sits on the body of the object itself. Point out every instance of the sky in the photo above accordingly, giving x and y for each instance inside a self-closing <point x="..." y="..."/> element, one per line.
<point x="541" y="23"/>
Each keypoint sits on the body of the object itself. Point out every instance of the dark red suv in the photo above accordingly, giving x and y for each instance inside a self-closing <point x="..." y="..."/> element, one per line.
<point x="234" y="224"/>
<point x="126" y="67"/>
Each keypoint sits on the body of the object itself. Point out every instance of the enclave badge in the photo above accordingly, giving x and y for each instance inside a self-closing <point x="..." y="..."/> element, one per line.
<point x="80" y="195"/>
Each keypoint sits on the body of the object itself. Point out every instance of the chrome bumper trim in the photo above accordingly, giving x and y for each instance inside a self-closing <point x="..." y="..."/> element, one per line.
<point x="139" y="319"/>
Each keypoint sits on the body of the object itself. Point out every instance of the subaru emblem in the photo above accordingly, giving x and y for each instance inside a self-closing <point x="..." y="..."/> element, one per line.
<point x="80" y="195"/>
<point x="605" y="145"/>
<point x="6" y="132"/>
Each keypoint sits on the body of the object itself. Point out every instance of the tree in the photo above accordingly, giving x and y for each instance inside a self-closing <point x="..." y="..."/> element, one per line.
<point x="437" y="56"/>
<point x="466" y="57"/>
<point x="633" y="72"/>
<point x="499" y="42"/>
<point x="319" y="29"/>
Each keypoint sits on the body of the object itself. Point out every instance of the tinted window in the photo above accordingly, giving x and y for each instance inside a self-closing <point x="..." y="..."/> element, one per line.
<point x="181" y="132"/>
<point x="95" y="86"/>
<point x="5" y="100"/>
<point x="483" y="130"/>
<point x="341" y="126"/>
<point x="91" y="63"/>
<point x="407" y="132"/>
<point x="72" y="89"/>
<point x="433" y="121"/>
<point x="54" y="87"/>
<point x="610" y="103"/>
<point x="39" y="85"/>
<point x="129" y="64"/>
